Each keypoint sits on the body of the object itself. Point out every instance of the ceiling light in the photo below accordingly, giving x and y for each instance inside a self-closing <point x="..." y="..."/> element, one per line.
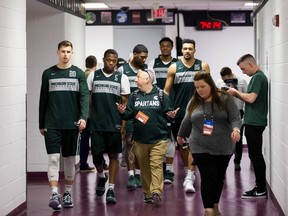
<point x="95" y="6"/>
<point x="250" y="4"/>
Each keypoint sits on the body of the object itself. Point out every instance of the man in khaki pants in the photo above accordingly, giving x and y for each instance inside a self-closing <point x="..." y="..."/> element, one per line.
<point x="149" y="107"/>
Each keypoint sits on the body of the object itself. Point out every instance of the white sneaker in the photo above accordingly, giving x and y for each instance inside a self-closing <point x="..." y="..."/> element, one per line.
<point x="189" y="177"/>
<point x="188" y="184"/>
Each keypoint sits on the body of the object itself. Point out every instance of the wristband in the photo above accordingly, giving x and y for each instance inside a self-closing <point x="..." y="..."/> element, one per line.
<point x="236" y="130"/>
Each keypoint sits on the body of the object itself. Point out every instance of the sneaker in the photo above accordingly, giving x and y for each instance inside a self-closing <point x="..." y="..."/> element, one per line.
<point x="87" y="169"/>
<point x="156" y="199"/>
<point x="131" y="185"/>
<point x="148" y="199"/>
<point x="138" y="180"/>
<point x="54" y="201"/>
<point x="100" y="189"/>
<point x="188" y="184"/>
<point x="237" y="167"/>
<point x="67" y="200"/>
<point x="123" y="163"/>
<point x="110" y="197"/>
<point x="168" y="177"/>
<point x="255" y="193"/>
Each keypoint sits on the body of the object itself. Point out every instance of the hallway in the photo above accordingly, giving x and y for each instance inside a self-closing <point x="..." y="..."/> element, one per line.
<point x="130" y="203"/>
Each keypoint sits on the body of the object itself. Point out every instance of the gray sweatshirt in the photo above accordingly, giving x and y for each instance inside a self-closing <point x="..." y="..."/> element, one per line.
<point x="220" y="142"/>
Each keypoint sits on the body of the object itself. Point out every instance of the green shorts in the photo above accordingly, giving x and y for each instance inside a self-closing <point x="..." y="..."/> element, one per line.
<point x="63" y="141"/>
<point x="106" y="142"/>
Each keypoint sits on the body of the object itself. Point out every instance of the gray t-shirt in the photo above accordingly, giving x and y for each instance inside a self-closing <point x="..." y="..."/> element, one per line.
<point x="220" y="142"/>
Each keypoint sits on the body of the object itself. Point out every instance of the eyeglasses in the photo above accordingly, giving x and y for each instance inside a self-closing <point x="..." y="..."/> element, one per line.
<point x="145" y="70"/>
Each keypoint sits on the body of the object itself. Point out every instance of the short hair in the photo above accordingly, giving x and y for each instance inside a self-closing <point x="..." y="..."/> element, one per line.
<point x="140" y="48"/>
<point x="189" y="41"/>
<point x="246" y="57"/>
<point x="226" y="71"/>
<point x="120" y="62"/>
<point x="166" y="39"/>
<point x="65" y="43"/>
<point x="110" y="51"/>
<point x="90" y="61"/>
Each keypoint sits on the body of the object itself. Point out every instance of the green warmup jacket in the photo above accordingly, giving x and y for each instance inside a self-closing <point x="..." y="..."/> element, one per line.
<point x="155" y="129"/>
<point x="64" y="98"/>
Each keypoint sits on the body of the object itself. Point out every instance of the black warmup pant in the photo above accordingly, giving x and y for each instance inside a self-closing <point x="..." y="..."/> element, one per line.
<point x="254" y="139"/>
<point x="239" y="144"/>
<point x="212" y="170"/>
<point x="84" y="147"/>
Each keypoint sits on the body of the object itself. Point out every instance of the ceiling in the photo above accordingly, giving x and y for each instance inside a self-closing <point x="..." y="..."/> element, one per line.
<point x="177" y="4"/>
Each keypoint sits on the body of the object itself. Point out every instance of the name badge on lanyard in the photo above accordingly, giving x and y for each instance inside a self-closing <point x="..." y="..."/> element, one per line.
<point x="208" y="127"/>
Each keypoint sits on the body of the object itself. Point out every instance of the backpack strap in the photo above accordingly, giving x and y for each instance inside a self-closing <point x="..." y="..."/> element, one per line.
<point x="161" y="96"/>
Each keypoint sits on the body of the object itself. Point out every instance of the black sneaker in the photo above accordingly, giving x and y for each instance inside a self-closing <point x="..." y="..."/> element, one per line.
<point x="156" y="199"/>
<point x="148" y="199"/>
<point x="131" y="185"/>
<point x="67" y="200"/>
<point x="87" y="169"/>
<point x="255" y="193"/>
<point x="110" y="197"/>
<point x="100" y="189"/>
<point x="168" y="177"/>
<point x="54" y="201"/>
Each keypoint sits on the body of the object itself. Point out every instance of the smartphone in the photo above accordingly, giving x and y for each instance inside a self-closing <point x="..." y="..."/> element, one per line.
<point x="224" y="88"/>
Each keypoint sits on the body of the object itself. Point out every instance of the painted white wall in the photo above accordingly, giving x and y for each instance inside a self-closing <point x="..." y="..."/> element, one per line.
<point x="46" y="27"/>
<point x="272" y="46"/>
<point x="46" y="30"/>
<point x="12" y="105"/>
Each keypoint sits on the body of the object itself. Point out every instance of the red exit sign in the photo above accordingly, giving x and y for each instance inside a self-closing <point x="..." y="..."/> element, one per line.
<point x="209" y="25"/>
<point x="159" y="13"/>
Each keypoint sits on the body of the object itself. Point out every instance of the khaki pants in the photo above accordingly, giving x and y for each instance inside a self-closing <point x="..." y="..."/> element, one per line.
<point x="150" y="158"/>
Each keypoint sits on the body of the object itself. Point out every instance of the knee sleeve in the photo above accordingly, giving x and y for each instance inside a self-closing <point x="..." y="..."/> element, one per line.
<point x="53" y="167"/>
<point x="97" y="160"/>
<point x="170" y="149"/>
<point x="69" y="167"/>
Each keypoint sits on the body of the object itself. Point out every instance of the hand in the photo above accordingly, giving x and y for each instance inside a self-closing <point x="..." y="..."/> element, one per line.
<point x="232" y="91"/>
<point x="121" y="108"/>
<point x="180" y="140"/>
<point x="81" y="124"/>
<point x="235" y="136"/>
<point x="172" y="114"/>
<point x="42" y="131"/>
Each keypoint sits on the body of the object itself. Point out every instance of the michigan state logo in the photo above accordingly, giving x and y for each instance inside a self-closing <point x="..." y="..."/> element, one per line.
<point x="72" y="73"/>
<point x="116" y="78"/>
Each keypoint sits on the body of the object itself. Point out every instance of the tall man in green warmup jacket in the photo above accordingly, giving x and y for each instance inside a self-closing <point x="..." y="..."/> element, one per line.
<point x="63" y="111"/>
<point x="160" y="65"/>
